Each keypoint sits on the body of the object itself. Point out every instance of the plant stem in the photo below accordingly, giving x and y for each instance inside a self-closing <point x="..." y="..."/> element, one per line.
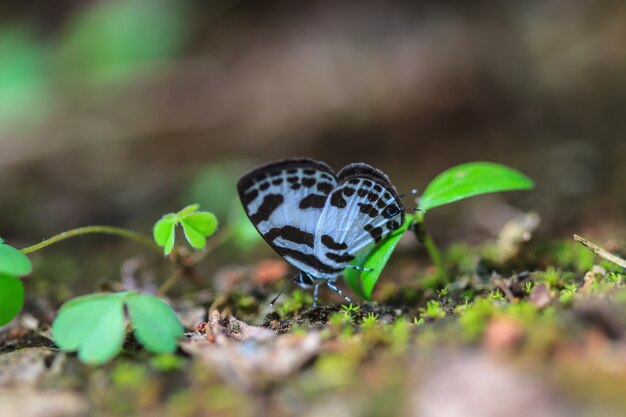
<point x="167" y="284"/>
<point x="217" y="240"/>
<point x="431" y="247"/>
<point x="111" y="230"/>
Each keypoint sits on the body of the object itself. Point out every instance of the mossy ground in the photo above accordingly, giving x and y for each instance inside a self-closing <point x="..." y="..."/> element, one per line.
<point x="543" y="333"/>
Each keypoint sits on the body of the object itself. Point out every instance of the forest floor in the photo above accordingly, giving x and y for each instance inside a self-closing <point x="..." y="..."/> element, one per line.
<point x="540" y="331"/>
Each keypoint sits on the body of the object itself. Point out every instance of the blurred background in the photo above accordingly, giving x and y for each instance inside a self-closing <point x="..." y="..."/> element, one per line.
<point x="116" y="112"/>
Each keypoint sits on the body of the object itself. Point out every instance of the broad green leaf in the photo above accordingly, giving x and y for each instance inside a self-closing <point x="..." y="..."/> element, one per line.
<point x="14" y="262"/>
<point x="191" y="208"/>
<point x="470" y="179"/>
<point x="156" y="325"/>
<point x="85" y="299"/>
<point x="92" y="326"/>
<point x="203" y="221"/>
<point x="164" y="232"/>
<point x="362" y="282"/>
<point x="11" y="297"/>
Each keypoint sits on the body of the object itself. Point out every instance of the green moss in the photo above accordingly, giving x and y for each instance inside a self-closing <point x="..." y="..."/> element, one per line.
<point x="460" y="259"/>
<point x="567" y="293"/>
<point x="297" y="301"/>
<point x="167" y="362"/>
<point x="129" y="375"/>
<point x="336" y="370"/>
<point x="473" y="318"/>
<point x="432" y="311"/>
<point x="570" y="254"/>
<point x="400" y="332"/>
<point x="369" y="320"/>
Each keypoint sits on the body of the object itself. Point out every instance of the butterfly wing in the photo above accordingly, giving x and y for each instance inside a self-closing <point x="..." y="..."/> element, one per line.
<point x="284" y="201"/>
<point x="363" y="209"/>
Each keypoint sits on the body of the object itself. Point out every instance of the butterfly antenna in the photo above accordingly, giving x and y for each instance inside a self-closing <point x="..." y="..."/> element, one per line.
<point x="411" y="192"/>
<point x="414" y="209"/>
<point x="282" y="290"/>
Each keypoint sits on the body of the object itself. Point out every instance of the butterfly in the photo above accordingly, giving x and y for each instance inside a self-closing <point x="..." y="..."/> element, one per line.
<point x="317" y="220"/>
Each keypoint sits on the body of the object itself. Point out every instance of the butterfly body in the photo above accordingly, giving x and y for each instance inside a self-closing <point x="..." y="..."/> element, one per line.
<point x="317" y="220"/>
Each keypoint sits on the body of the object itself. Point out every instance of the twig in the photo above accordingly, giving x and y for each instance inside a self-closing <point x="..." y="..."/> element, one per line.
<point x="603" y="253"/>
<point x="501" y="285"/>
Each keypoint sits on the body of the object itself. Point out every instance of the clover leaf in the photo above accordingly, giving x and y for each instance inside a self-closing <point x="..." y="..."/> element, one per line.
<point x="197" y="227"/>
<point x="13" y="262"/>
<point x="11" y="297"/>
<point x="156" y="325"/>
<point x="94" y="325"/>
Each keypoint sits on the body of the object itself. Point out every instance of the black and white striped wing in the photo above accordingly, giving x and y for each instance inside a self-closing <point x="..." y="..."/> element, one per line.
<point x="363" y="209"/>
<point x="285" y="200"/>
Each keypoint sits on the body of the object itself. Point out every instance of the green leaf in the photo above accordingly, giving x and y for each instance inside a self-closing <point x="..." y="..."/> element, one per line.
<point x="85" y="299"/>
<point x="92" y="325"/>
<point x="362" y="282"/>
<point x="194" y="237"/>
<point x="199" y="226"/>
<point x="164" y="232"/>
<point x="202" y="221"/>
<point x="11" y="298"/>
<point x="191" y="208"/>
<point x="156" y="325"/>
<point x="13" y="262"/>
<point x="470" y="179"/>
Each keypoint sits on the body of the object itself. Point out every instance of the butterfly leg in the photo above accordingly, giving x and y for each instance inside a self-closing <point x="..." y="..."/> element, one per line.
<point x="315" y="293"/>
<point x="331" y="284"/>
<point x="359" y="268"/>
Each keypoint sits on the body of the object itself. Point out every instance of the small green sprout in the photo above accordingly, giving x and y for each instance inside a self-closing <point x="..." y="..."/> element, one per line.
<point x="369" y="320"/>
<point x="95" y="325"/>
<point x="614" y="279"/>
<point x="495" y="295"/>
<point x="197" y="227"/>
<point x="529" y="286"/>
<point x="467" y="295"/>
<point x="552" y="276"/>
<point x="433" y="310"/>
<point x="567" y="293"/>
<point x="350" y="310"/>
<point x="455" y="184"/>
<point x="296" y="302"/>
